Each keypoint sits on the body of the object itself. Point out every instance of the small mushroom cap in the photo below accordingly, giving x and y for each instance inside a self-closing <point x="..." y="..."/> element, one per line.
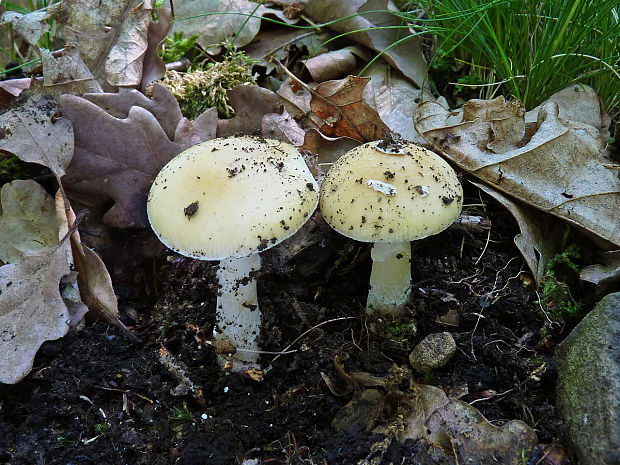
<point x="231" y="197"/>
<point x="374" y="196"/>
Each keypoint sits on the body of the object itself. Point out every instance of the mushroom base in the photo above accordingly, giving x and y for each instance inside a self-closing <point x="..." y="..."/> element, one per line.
<point x="390" y="279"/>
<point x="237" y="316"/>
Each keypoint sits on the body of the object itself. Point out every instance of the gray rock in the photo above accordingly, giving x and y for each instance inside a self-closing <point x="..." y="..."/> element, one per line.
<point x="433" y="352"/>
<point x="588" y="389"/>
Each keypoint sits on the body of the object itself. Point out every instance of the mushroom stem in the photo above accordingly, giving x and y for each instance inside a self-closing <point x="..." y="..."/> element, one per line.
<point x="390" y="278"/>
<point x="237" y="315"/>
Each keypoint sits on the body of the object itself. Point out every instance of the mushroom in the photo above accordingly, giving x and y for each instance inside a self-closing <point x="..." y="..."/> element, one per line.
<point x="228" y="199"/>
<point x="390" y="195"/>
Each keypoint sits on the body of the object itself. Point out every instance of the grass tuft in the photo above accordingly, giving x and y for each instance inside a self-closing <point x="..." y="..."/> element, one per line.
<point x="530" y="48"/>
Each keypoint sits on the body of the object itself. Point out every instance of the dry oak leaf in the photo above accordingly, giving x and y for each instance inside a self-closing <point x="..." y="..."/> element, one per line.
<point x="111" y="36"/>
<point x="555" y="167"/>
<point x="250" y="103"/>
<point x="30" y="132"/>
<point x="64" y="72"/>
<point x="538" y="241"/>
<point x="368" y="18"/>
<point x="116" y="159"/>
<point x="219" y="21"/>
<point x="27" y="220"/>
<point x="162" y="105"/>
<point x="345" y="112"/>
<point x="29" y="26"/>
<point x="153" y="66"/>
<point x="32" y="310"/>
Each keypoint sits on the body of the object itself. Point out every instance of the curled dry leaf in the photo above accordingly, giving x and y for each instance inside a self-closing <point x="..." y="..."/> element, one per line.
<point x="276" y="44"/>
<point x="250" y="103"/>
<point x="69" y="286"/>
<point x="154" y="67"/>
<point x="458" y="430"/>
<point x="395" y="99"/>
<point x="31" y="132"/>
<point x="29" y="26"/>
<point x="32" y="310"/>
<point x="65" y="73"/>
<point x="111" y="37"/>
<point x="27" y="221"/>
<point x="296" y="100"/>
<point x="538" y="241"/>
<point x="116" y="159"/>
<point x="556" y="167"/>
<point x="335" y="64"/>
<point x="367" y="17"/>
<point x="343" y="110"/>
<point x="15" y="86"/>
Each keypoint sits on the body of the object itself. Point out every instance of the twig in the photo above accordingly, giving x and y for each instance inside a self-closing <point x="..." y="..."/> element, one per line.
<point x="304" y="334"/>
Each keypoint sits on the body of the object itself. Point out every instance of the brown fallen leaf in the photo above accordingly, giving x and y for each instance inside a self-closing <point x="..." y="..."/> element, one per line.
<point x="250" y="103"/>
<point x="538" y="241"/>
<point x="335" y="64"/>
<point x="32" y="310"/>
<point x="27" y="220"/>
<point x="162" y="105"/>
<point x="93" y="280"/>
<point x="363" y="16"/>
<point x="65" y="72"/>
<point x="604" y="275"/>
<point x="282" y="126"/>
<point x="579" y="103"/>
<point x="10" y="90"/>
<point x="296" y="100"/>
<point x="395" y="99"/>
<point x="154" y="67"/>
<point x="344" y="111"/>
<point x="278" y="43"/>
<point x="457" y="429"/>
<point x="30" y="26"/>
<point x="328" y="149"/>
<point x="15" y="86"/>
<point x="228" y="19"/>
<point x="555" y="167"/>
<point x="116" y="159"/>
<point x="31" y="132"/>
<point x="110" y="36"/>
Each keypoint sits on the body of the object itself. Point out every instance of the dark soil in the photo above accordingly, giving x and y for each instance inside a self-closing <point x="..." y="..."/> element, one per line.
<point x="97" y="397"/>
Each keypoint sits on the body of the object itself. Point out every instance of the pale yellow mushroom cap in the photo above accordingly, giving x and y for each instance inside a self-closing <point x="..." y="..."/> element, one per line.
<point x="403" y="195"/>
<point x="231" y="197"/>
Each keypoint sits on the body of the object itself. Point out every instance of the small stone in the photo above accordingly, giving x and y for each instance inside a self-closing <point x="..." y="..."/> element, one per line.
<point x="433" y="352"/>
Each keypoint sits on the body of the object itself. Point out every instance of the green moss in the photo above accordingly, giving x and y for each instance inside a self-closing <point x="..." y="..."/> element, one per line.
<point x="12" y="168"/>
<point x="400" y="330"/>
<point x="177" y="46"/>
<point x="555" y="294"/>
<point x="201" y="89"/>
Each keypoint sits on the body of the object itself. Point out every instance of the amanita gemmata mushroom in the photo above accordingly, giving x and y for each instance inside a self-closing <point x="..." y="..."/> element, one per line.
<point x="390" y="195"/>
<point x="228" y="199"/>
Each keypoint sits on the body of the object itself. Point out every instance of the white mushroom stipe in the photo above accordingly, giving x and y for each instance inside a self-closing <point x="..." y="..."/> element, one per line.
<point x="390" y="278"/>
<point x="237" y="315"/>
<point x="383" y="187"/>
